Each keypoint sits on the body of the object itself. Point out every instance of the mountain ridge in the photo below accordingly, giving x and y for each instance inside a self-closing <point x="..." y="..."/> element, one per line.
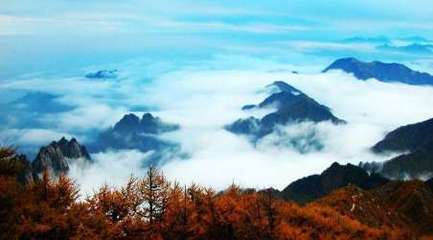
<point x="385" y="72"/>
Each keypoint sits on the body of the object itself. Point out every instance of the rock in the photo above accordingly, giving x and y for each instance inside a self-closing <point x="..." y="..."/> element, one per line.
<point x="57" y="156"/>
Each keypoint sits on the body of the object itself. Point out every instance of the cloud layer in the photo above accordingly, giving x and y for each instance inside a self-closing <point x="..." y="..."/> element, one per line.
<point x="203" y="96"/>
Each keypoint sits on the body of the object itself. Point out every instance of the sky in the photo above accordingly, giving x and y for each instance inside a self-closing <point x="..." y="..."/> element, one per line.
<point x="196" y="63"/>
<point x="79" y="33"/>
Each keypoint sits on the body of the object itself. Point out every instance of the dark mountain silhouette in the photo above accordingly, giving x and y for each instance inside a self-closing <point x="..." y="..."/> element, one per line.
<point x="131" y="132"/>
<point x="407" y="138"/>
<point x="336" y="176"/>
<point x="57" y="156"/>
<point x="291" y="106"/>
<point x="415" y="139"/>
<point x="417" y="164"/>
<point x="386" y="72"/>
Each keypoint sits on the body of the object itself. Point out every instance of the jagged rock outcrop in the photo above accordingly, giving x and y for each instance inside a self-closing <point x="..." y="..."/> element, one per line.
<point x="336" y="176"/>
<point x="57" y="156"/>
<point x="386" y="72"/>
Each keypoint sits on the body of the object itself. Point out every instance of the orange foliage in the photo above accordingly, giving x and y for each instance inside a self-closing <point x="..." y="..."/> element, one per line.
<point x="154" y="208"/>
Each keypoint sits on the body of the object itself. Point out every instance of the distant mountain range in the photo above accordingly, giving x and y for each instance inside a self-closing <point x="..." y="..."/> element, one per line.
<point x="385" y="72"/>
<point x="416" y="143"/>
<point x="291" y="106"/>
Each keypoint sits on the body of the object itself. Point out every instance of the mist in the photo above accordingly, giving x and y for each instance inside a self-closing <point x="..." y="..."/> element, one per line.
<point x="203" y="98"/>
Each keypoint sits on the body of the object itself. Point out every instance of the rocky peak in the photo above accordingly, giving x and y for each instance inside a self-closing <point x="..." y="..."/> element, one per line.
<point x="57" y="156"/>
<point x="131" y="132"/>
<point x="148" y="124"/>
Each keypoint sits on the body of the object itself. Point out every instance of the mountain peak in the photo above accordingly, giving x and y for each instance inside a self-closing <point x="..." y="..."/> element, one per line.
<point x="128" y="122"/>
<point x="284" y="87"/>
<point x="291" y="106"/>
<point x="54" y="157"/>
<point x="131" y="132"/>
<point x="147" y="116"/>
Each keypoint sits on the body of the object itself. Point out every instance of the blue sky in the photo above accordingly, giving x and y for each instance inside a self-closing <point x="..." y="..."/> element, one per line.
<point x="79" y="33"/>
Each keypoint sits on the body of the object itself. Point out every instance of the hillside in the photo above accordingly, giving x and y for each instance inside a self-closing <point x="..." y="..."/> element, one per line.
<point x="415" y="141"/>
<point x="407" y="205"/>
<point x="336" y="176"/>
<point x="154" y="208"/>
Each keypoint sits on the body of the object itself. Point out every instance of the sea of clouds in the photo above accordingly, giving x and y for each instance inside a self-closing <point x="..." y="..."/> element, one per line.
<point x="205" y="96"/>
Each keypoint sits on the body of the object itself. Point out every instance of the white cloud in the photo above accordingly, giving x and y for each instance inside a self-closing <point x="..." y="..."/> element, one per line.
<point x="320" y="45"/>
<point x="203" y="97"/>
<point x="203" y="101"/>
<point x="33" y="137"/>
<point x="112" y="167"/>
<point x="93" y="116"/>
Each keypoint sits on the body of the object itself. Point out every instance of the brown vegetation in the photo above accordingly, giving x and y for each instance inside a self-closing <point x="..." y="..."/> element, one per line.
<point x="154" y="208"/>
